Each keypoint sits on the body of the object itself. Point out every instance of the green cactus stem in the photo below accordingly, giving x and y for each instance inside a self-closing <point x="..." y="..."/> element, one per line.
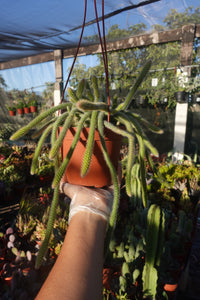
<point x="154" y="249"/>
<point x="80" y="89"/>
<point x="89" y="146"/>
<point x="51" y="219"/>
<point x="39" y="147"/>
<point x="95" y="88"/>
<point x="24" y="130"/>
<point x="72" y="95"/>
<point x="113" y="216"/>
<point x="56" y="146"/>
<point x="66" y="160"/>
<point x="140" y="78"/>
<point x="86" y="105"/>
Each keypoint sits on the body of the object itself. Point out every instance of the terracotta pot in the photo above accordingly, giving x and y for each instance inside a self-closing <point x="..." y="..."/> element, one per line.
<point x="20" y="111"/>
<point x="26" y="110"/>
<point x="8" y="280"/>
<point x="12" y="113"/>
<point x="170" y="289"/>
<point x="98" y="174"/>
<point x="110" y="274"/>
<point x="33" y="109"/>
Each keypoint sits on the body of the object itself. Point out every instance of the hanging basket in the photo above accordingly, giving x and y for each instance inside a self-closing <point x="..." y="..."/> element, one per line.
<point x="98" y="174"/>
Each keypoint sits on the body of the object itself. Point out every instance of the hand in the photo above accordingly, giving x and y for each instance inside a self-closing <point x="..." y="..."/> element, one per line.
<point x="95" y="200"/>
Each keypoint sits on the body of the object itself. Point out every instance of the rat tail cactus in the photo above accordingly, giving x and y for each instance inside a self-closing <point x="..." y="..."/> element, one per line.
<point x="86" y="108"/>
<point x="154" y="249"/>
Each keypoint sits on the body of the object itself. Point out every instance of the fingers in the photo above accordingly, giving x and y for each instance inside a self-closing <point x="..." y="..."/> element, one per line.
<point x="70" y="189"/>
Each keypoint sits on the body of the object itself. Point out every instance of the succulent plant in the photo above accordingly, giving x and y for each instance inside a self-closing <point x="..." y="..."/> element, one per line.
<point x="154" y="248"/>
<point x="86" y="109"/>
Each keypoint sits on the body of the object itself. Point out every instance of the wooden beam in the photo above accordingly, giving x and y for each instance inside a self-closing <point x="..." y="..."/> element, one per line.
<point x="29" y="60"/>
<point x="130" y="42"/>
<point x="180" y="34"/>
<point x="187" y="44"/>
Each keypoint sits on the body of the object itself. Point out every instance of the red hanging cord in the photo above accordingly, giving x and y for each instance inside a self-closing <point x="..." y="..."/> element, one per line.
<point x="104" y="50"/>
<point x="76" y="54"/>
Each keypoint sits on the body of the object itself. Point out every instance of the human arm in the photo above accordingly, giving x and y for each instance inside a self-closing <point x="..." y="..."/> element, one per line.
<point x="77" y="273"/>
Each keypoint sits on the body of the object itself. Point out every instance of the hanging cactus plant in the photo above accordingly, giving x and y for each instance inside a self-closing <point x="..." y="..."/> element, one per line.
<point x="86" y="109"/>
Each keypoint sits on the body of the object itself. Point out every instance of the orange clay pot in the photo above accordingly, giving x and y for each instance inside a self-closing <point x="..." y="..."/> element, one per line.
<point x="20" y="111"/>
<point x="26" y="110"/>
<point x="33" y="109"/>
<point x="98" y="174"/>
<point x="12" y="113"/>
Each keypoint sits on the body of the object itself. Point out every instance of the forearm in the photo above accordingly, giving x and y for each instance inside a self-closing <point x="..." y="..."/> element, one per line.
<point x="77" y="273"/>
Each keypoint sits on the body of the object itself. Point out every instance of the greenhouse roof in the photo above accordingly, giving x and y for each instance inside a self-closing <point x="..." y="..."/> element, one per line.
<point x="34" y="27"/>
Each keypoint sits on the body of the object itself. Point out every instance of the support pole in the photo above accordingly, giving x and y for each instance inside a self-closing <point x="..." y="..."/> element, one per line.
<point x="58" y="87"/>
<point x="180" y="130"/>
<point x="188" y="35"/>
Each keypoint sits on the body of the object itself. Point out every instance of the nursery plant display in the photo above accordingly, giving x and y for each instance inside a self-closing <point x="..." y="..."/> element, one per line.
<point x="86" y="108"/>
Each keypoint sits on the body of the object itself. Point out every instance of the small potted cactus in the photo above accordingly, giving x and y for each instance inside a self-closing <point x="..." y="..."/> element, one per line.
<point x="84" y="117"/>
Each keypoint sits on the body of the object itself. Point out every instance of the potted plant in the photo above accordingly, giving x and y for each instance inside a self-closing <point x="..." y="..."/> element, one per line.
<point x="33" y="103"/>
<point x="180" y="90"/>
<point x="26" y="104"/>
<point x="11" y="109"/>
<point x="94" y="119"/>
<point x="20" y="106"/>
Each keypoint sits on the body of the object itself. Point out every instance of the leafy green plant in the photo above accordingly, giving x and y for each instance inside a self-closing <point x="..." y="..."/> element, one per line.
<point x="85" y="108"/>
<point x="33" y="100"/>
<point x="20" y="103"/>
<point x="10" y="107"/>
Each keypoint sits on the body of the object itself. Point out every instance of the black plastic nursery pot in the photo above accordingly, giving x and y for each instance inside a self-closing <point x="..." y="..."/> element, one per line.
<point x="195" y="99"/>
<point x="141" y="100"/>
<point x="181" y="96"/>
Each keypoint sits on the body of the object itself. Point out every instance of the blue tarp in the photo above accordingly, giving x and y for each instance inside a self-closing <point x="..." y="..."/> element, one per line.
<point x="33" y="27"/>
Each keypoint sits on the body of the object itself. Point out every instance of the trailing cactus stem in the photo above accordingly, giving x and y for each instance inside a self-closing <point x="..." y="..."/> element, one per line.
<point x="89" y="147"/>
<point x="118" y="130"/>
<point x="130" y="157"/>
<point x="24" y="130"/>
<point x="44" y="246"/>
<point x="39" y="147"/>
<point x="129" y="97"/>
<point x="142" y="170"/>
<point x="86" y="105"/>
<point x="147" y="124"/>
<point x="58" y="143"/>
<point x="113" y="216"/>
<point x="140" y="132"/>
<point x="66" y="160"/>
<point x="72" y="95"/>
<point x="95" y="88"/>
<point x="41" y="130"/>
<point x="56" y="125"/>
<point x="80" y="89"/>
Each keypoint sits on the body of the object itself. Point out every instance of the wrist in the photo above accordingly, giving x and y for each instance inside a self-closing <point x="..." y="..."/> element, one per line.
<point x="89" y="219"/>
